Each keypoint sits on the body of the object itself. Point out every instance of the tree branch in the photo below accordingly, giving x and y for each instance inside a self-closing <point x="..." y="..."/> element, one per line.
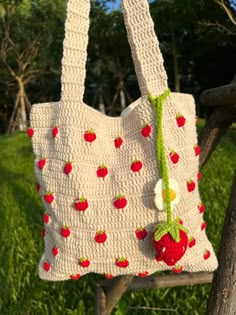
<point x="223" y="294"/>
<point x="217" y="24"/>
<point x="227" y="10"/>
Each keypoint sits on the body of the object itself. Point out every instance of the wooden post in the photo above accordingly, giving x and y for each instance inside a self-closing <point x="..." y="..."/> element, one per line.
<point x="222" y="300"/>
<point x="100" y="298"/>
<point x="218" y="123"/>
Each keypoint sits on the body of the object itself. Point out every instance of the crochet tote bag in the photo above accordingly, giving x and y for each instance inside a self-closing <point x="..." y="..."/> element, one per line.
<point x="120" y="194"/>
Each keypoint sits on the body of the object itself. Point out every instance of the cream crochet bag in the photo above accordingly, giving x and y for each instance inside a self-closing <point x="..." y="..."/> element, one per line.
<point x="97" y="174"/>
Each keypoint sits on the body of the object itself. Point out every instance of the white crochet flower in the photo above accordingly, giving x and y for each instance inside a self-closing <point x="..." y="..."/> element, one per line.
<point x="160" y="194"/>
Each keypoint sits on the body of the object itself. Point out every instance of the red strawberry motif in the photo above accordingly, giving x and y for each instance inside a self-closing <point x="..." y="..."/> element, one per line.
<point x="90" y="135"/>
<point x="118" y="142"/>
<point x="65" y="231"/>
<point x="201" y="207"/>
<point x="170" y="241"/>
<point x="108" y="275"/>
<point x="100" y="236"/>
<point x="43" y="232"/>
<point x="174" y="157"/>
<point x="141" y="233"/>
<point x="46" y="266"/>
<point x="49" y="197"/>
<point x="122" y="262"/>
<point x="102" y="171"/>
<point x="191" y="242"/>
<point x="146" y="131"/>
<point x="46" y="218"/>
<point x="84" y="262"/>
<point x="199" y="176"/>
<point x="68" y="168"/>
<point x="196" y="119"/>
<point x="81" y="204"/>
<point x="55" y="131"/>
<point x="178" y="220"/>
<point x="41" y="163"/>
<point x="180" y="120"/>
<point x="177" y="269"/>
<point x="203" y="225"/>
<point x="207" y="254"/>
<point x="37" y="186"/>
<point x="197" y="149"/>
<point x="143" y="274"/>
<point x="190" y="185"/>
<point x="75" y="277"/>
<point x="30" y="132"/>
<point x="136" y="166"/>
<point x="55" y="251"/>
<point x="120" y="202"/>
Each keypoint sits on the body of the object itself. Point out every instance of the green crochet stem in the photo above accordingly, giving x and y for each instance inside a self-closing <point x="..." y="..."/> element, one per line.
<point x="158" y="105"/>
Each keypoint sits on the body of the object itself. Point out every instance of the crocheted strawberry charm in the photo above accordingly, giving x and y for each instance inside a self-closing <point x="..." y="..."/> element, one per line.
<point x="170" y="241"/>
<point x="170" y="238"/>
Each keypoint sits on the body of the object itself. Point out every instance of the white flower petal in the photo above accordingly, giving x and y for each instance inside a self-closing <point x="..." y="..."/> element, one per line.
<point x="158" y="190"/>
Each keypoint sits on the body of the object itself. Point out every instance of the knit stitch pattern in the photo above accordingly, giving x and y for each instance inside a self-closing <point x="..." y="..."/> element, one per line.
<point x="94" y="219"/>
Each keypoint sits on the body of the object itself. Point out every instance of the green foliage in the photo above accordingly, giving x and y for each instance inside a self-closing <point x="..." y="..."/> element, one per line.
<point x="196" y="37"/>
<point x="21" y="210"/>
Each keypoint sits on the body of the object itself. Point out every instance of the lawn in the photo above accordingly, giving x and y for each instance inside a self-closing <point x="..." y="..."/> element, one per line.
<point x="23" y="293"/>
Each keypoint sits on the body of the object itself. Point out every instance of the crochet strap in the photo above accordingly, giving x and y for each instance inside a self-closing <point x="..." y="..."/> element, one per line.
<point x="144" y="45"/>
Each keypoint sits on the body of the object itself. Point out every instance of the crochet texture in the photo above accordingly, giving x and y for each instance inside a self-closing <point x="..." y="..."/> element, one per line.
<point x="97" y="174"/>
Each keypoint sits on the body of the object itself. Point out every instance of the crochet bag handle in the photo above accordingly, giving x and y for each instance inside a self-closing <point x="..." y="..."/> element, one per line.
<point x="144" y="45"/>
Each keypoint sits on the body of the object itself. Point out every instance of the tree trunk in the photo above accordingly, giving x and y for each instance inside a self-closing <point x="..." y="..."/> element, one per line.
<point x="222" y="301"/>
<point x="10" y="125"/>
<point x="23" y="116"/>
<point x="122" y="96"/>
<point x="101" y="105"/>
<point x="175" y="61"/>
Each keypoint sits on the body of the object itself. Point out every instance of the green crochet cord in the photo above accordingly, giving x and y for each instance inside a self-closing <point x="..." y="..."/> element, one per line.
<point x="158" y="105"/>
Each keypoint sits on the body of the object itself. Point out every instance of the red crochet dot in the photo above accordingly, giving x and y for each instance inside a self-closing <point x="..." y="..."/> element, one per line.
<point x="146" y="131"/>
<point x="46" y="266"/>
<point x="177" y="269"/>
<point x="46" y="218"/>
<point x="120" y="202"/>
<point x="206" y="254"/>
<point x="55" y="251"/>
<point x="55" y="131"/>
<point x="41" y="163"/>
<point x="43" y="232"/>
<point x="199" y="176"/>
<point x="180" y="119"/>
<point x="102" y="171"/>
<point x="90" y="135"/>
<point x="191" y="185"/>
<point x="174" y="157"/>
<point x="37" y="186"/>
<point x="68" y="168"/>
<point x="108" y="275"/>
<point x="75" y="277"/>
<point x="143" y="274"/>
<point x="136" y="166"/>
<point x="84" y="262"/>
<point x="30" y="132"/>
<point x="118" y="142"/>
<point x="100" y="236"/>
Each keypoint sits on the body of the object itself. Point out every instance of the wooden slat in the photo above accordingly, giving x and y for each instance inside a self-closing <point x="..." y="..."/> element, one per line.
<point x="165" y="281"/>
<point x="220" y="96"/>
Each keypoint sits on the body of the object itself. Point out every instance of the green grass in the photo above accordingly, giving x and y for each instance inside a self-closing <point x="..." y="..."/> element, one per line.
<point x="23" y="293"/>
